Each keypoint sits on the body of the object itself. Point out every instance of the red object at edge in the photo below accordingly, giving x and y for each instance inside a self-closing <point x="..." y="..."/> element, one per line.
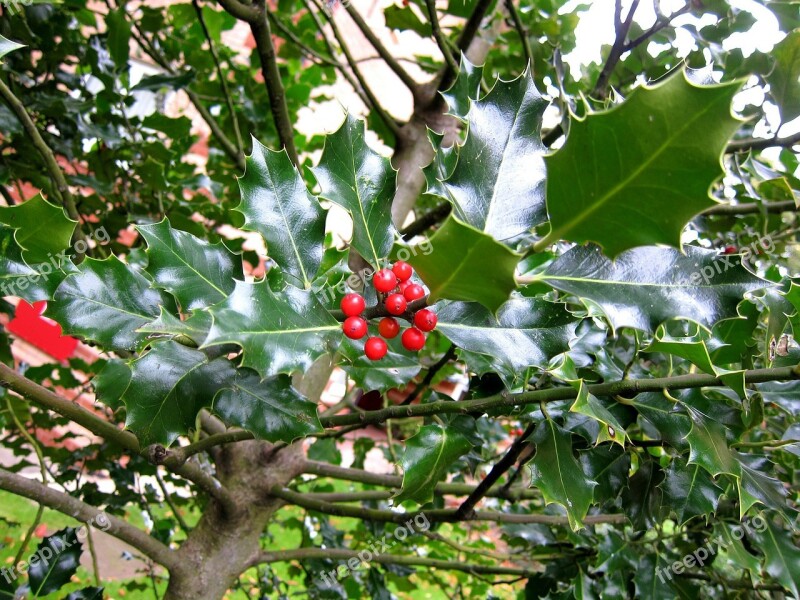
<point x="29" y="324"/>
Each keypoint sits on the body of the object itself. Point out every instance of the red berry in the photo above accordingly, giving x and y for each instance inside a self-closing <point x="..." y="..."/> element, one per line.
<point x="403" y="285"/>
<point x="413" y="292"/>
<point x="396" y="304"/>
<point x="353" y="305"/>
<point x="388" y="327"/>
<point x="375" y="348"/>
<point x="413" y="339"/>
<point x="354" y="327"/>
<point x="425" y="320"/>
<point x="729" y="250"/>
<point x="403" y="270"/>
<point x="384" y="281"/>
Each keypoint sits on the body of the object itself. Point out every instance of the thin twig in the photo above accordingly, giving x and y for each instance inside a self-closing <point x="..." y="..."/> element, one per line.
<point x="439" y="36"/>
<point x="446" y="358"/>
<point x="521" y="31"/>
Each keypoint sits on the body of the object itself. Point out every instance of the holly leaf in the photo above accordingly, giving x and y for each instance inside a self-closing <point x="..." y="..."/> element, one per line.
<point x="271" y="409"/>
<point x="362" y="182"/>
<point x="19" y="279"/>
<point x="280" y="332"/>
<point x="277" y="204"/>
<point x="638" y="163"/>
<point x="784" y="80"/>
<point x="194" y="329"/>
<point x="643" y="287"/>
<point x="462" y="263"/>
<point x="105" y="301"/>
<point x="708" y="446"/>
<point x="781" y="556"/>
<point x="756" y="487"/>
<point x="690" y="491"/>
<point x="665" y="416"/>
<point x="111" y="382"/>
<point x="7" y="46"/>
<point x="193" y="270"/>
<point x="558" y="475"/>
<point x="591" y="406"/>
<point x="466" y="88"/>
<point x="169" y="385"/>
<point x="527" y="332"/>
<point x="427" y="457"/>
<point x="498" y="184"/>
<point x="394" y="370"/>
<point x="41" y="229"/>
<point x="87" y="593"/>
<point x="47" y="576"/>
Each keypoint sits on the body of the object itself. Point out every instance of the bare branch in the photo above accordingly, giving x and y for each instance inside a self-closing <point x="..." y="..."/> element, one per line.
<point x="748" y="208"/>
<point x="523" y="34"/>
<point x="439" y="36"/>
<point x="506" y="400"/>
<point x="33" y="490"/>
<point x="762" y="143"/>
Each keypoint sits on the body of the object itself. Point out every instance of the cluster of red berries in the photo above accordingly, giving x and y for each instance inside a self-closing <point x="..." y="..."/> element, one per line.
<point x="395" y="288"/>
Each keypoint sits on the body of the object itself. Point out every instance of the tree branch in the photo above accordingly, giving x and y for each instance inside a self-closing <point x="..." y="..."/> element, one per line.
<point x="53" y="169"/>
<point x="432" y="371"/>
<point x="751" y="208"/>
<point x="256" y="17"/>
<point x="40" y="395"/>
<point x="621" y="27"/>
<point x="439" y="36"/>
<point x="373" y="100"/>
<point x="465" y="38"/>
<point x="322" y="469"/>
<point x="395" y="559"/>
<point x="33" y="490"/>
<point x="436" y="515"/>
<point x="762" y="143"/>
<point x="390" y="61"/>
<point x="223" y="83"/>
<point x="426" y="221"/>
<point x="661" y="23"/>
<point x="504" y="464"/>
<point x="523" y="34"/>
<point x="506" y="400"/>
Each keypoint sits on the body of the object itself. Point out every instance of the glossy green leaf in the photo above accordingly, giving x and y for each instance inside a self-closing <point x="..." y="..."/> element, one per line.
<point x="781" y="556"/>
<point x="277" y="204"/>
<point x="426" y="458"/>
<point x="280" y="332"/>
<point x="466" y="88"/>
<point x="642" y="499"/>
<point x="526" y="332"/>
<point x="169" y="385"/>
<point x="394" y="370"/>
<point x="105" y="302"/>
<point x="735" y="550"/>
<point x="7" y="46"/>
<point x="195" y="271"/>
<point x="48" y="576"/>
<point x="271" y="409"/>
<point x="690" y="491"/>
<point x="758" y="487"/>
<point x="608" y="465"/>
<point x="591" y="406"/>
<point x="111" y="382"/>
<point x="405" y="19"/>
<point x="647" y="286"/>
<point x="652" y="578"/>
<point x="362" y="182"/>
<point x="498" y="184"/>
<point x="784" y="80"/>
<point x="195" y="328"/>
<point x="19" y="279"/>
<point x="42" y="229"/>
<point x="708" y="446"/>
<point x="466" y="264"/>
<point x="444" y="161"/>
<point x="638" y="164"/>
<point x="665" y="415"/>
<point x="558" y="475"/>
<point x="88" y="593"/>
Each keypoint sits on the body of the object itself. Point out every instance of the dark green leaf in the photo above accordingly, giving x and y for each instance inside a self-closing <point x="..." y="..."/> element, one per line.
<point x="558" y="475"/>
<point x="155" y="83"/>
<point x="690" y="491"/>
<point x="169" y="385"/>
<point x="466" y="88"/>
<point x="7" y="46"/>
<point x="405" y="19"/>
<point x="271" y="409"/>
<point x="647" y="286"/>
<point x="42" y="229"/>
<point x="196" y="272"/>
<point x="638" y="163"/>
<point x="708" y="446"/>
<point x="526" y="332"/>
<point x="781" y="556"/>
<point x="362" y="182"/>
<point x="195" y="328"/>
<point x="784" y="81"/>
<point x="463" y="263"/>
<point x="119" y="35"/>
<point x="110" y="383"/>
<point x="394" y="370"/>
<point x="426" y="458"/>
<point x="277" y="204"/>
<point x="88" y="593"/>
<point x="280" y="332"/>
<point x="498" y="184"/>
<point x="105" y="302"/>
<point x="47" y="576"/>
<point x="591" y="406"/>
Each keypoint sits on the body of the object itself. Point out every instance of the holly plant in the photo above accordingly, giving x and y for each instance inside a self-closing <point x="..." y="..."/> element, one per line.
<point x="553" y="355"/>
